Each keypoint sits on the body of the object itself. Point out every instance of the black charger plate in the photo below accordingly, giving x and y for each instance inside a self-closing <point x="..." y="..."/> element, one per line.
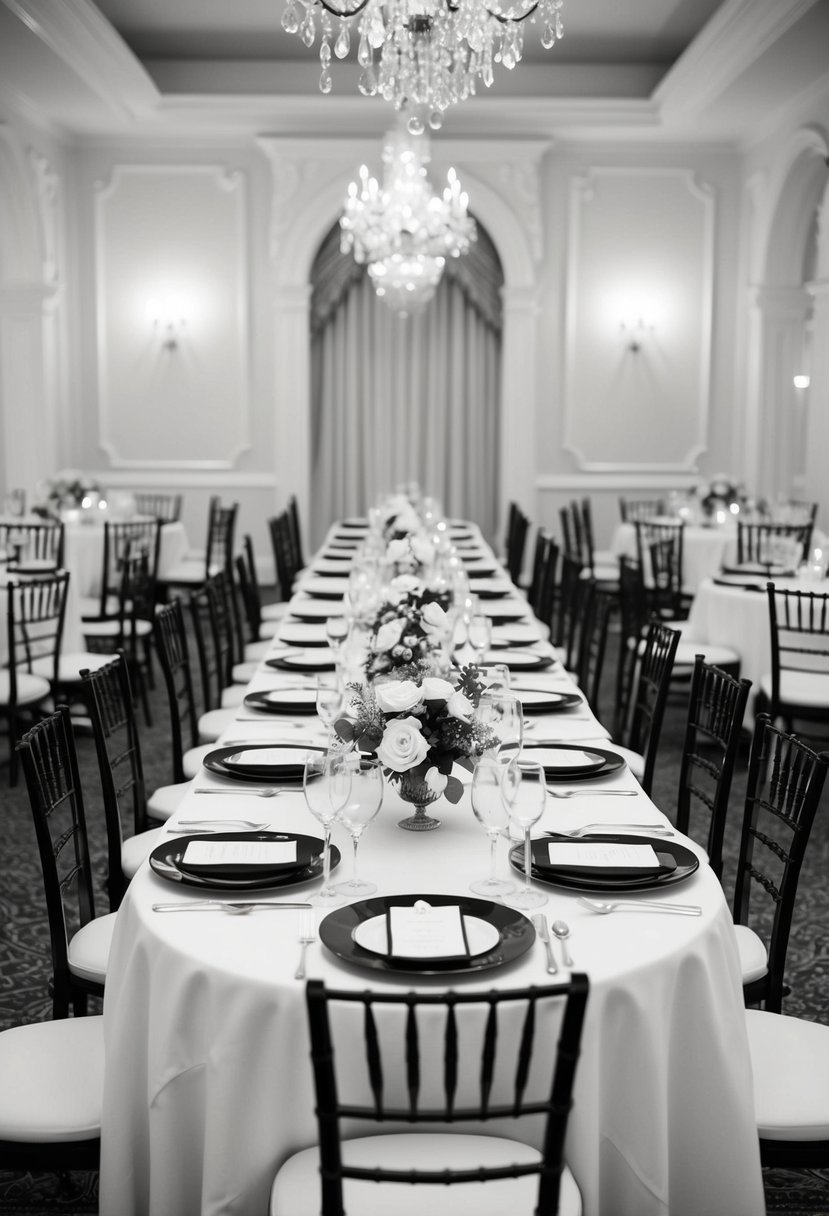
<point x="516" y="934"/>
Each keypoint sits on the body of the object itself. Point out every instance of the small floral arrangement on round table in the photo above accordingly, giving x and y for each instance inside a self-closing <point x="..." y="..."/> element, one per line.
<point x="67" y="490"/>
<point x="721" y="491"/>
<point x="419" y="732"/>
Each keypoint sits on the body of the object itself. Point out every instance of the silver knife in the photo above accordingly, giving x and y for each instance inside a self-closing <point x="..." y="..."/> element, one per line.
<point x="543" y="931"/>
<point x="234" y="905"/>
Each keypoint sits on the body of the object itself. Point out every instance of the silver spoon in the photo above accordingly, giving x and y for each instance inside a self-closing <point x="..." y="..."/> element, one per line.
<point x="562" y="932"/>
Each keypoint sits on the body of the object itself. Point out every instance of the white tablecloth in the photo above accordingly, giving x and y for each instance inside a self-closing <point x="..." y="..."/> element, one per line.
<point x="208" y="1083"/>
<point x="84" y="553"/>
<point x="704" y="550"/>
<point x="739" y="617"/>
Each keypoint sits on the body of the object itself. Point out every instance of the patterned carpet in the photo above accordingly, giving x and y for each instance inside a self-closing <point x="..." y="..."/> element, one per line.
<point x="24" y="951"/>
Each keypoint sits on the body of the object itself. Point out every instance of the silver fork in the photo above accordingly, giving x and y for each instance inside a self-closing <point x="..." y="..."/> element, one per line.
<point x="307" y="935"/>
<point x="591" y="793"/>
<point x="653" y="829"/>
<point x="604" y="908"/>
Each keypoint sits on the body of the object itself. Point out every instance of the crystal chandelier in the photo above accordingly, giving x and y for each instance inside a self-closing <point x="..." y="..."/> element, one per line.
<point x="401" y="230"/>
<point x="427" y="53"/>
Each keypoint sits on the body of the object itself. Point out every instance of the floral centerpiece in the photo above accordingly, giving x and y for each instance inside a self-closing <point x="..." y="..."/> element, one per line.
<point x="65" y="491"/>
<point x="413" y="553"/>
<point x="419" y="732"/>
<point x="720" y="492"/>
<point x="408" y="632"/>
<point x="399" y="518"/>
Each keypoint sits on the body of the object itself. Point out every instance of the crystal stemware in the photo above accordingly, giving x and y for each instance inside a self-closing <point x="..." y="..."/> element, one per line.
<point x="365" y="797"/>
<point x="336" y="632"/>
<point x="329" y="702"/>
<point x="525" y="793"/>
<point x="502" y="713"/>
<point x="326" y="783"/>
<point x="490" y="809"/>
<point x="479" y="634"/>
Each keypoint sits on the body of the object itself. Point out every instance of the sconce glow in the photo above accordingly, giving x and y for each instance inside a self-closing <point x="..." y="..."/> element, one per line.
<point x="802" y="381"/>
<point x="635" y="329"/>
<point x="168" y="316"/>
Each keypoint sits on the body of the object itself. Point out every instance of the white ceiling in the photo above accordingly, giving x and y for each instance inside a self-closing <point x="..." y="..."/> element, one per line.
<point x="672" y="69"/>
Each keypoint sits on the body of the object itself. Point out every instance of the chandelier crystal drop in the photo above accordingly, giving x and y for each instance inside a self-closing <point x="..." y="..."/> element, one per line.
<point x="402" y="230"/>
<point x="429" y="53"/>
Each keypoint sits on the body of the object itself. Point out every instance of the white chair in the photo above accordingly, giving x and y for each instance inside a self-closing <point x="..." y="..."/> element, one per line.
<point x="51" y="1095"/>
<point x="790" y="1069"/>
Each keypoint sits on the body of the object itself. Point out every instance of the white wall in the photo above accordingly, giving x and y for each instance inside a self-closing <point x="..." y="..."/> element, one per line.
<point x="227" y="410"/>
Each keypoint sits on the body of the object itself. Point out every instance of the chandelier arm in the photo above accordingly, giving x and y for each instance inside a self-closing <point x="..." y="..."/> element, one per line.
<point x="506" y="20"/>
<point x="335" y="12"/>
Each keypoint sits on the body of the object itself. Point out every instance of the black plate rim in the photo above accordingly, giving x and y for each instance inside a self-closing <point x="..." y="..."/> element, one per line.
<point x="614" y="761"/>
<point x="258" y="775"/>
<point x="568" y="700"/>
<point x="165" y="868"/>
<point x="253" y="700"/>
<point x="335" y="932"/>
<point x="542" y="661"/>
<point x="280" y="664"/>
<point x="660" y="843"/>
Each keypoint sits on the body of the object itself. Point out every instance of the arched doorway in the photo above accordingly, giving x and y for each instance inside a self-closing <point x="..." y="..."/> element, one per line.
<point x="397" y="399"/>
<point x="792" y="315"/>
<point x="309" y="182"/>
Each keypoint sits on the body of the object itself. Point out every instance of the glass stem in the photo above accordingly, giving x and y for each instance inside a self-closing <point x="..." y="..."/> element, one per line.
<point x="355" y="841"/>
<point x="527" y="859"/>
<point x="326" y="860"/>
<point x="493" y="845"/>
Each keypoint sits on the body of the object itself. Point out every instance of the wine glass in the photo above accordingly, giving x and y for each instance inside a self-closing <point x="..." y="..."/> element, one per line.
<point x="336" y="632"/>
<point x="479" y="634"/>
<point x="490" y="810"/>
<point x="329" y="701"/>
<point x="523" y="784"/>
<point x="502" y="713"/>
<point x="495" y="677"/>
<point x="326" y="782"/>
<point x="365" y="797"/>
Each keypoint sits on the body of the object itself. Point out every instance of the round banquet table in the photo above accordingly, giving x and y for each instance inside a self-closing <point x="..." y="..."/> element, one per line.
<point x="739" y="617"/>
<point x="208" y="1083"/>
<point x="84" y="552"/>
<point x="704" y="550"/>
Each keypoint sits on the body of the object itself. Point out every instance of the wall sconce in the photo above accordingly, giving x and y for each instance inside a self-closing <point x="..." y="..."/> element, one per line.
<point x="168" y="321"/>
<point x="634" y="331"/>
<point x="801" y="381"/>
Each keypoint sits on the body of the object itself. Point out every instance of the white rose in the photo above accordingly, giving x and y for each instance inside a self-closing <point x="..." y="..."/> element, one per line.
<point x="397" y="550"/>
<point x="423" y="550"/>
<point x="388" y="635"/>
<point x="435" y="689"/>
<point x="402" y="746"/>
<point x="435" y="780"/>
<point x="433" y="618"/>
<point x="406" y="582"/>
<point x="396" y="696"/>
<point x="459" y="706"/>
<point x="408" y="520"/>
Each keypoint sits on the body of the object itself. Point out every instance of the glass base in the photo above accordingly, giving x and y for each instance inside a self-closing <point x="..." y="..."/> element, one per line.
<point x="527" y="899"/>
<point x="355" y="887"/>
<point x="419" y="822"/>
<point x="328" y="898"/>
<point x="493" y="888"/>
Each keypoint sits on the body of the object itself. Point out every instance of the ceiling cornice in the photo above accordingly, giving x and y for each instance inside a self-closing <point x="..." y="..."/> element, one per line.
<point x="735" y="37"/>
<point x="85" y="41"/>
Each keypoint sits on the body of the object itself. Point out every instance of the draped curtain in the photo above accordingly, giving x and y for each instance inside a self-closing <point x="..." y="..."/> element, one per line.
<point x="406" y="399"/>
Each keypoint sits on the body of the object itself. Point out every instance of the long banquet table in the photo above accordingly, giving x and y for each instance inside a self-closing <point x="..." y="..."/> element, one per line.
<point x="208" y="1083"/>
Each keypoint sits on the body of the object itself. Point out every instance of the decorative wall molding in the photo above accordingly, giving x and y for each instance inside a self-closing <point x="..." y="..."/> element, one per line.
<point x="603" y="378"/>
<point x="234" y="443"/>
